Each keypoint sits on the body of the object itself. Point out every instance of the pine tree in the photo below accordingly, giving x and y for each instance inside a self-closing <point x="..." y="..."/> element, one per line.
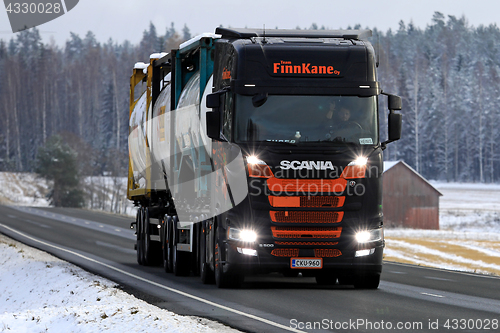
<point x="56" y="162"/>
<point x="185" y="33"/>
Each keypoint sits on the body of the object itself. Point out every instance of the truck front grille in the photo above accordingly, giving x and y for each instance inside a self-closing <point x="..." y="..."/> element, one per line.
<point x="315" y="225"/>
<point x="306" y="217"/>
<point x="307" y="201"/>
<point x="285" y="252"/>
<point x="306" y="232"/>
<point x="307" y="243"/>
<point x="307" y="186"/>
<point x="323" y="253"/>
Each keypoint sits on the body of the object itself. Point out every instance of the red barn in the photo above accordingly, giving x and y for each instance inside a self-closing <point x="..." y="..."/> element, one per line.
<point x="409" y="200"/>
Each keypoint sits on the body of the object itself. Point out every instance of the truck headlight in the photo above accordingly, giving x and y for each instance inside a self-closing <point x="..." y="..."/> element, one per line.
<point x="367" y="236"/>
<point x="257" y="168"/>
<point x="360" y="161"/>
<point x="242" y="235"/>
<point x="356" y="168"/>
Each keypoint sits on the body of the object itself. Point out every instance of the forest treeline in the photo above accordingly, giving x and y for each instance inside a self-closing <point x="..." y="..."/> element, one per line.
<point x="448" y="75"/>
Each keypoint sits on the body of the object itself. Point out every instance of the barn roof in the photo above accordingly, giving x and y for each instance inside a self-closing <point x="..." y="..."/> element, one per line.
<point x="389" y="164"/>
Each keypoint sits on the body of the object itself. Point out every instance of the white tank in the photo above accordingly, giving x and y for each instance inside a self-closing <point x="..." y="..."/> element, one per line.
<point x="137" y="141"/>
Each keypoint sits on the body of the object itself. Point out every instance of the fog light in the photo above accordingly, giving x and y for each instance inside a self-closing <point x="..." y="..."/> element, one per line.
<point x="248" y="252"/>
<point x="362" y="253"/>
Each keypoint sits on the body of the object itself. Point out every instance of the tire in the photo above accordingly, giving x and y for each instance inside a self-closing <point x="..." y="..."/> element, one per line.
<point x="140" y="254"/>
<point x="165" y="243"/>
<point x="170" y="251"/>
<point x="223" y="279"/>
<point x="195" y="252"/>
<point x="325" y="279"/>
<point x="206" y="273"/>
<point x="370" y="281"/>
<point x="147" y="246"/>
<point x="181" y="260"/>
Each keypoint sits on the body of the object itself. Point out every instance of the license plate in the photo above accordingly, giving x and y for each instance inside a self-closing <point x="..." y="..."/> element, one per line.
<point x="308" y="263"/>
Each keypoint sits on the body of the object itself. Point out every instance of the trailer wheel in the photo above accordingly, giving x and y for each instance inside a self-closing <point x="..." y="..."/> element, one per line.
<point x="170" y="250"/>
<point x="138" y="220"/>
<point x="147" y="247"/>
<point x="166" y="243"/>
<point x="369" y="281"/>
<point x="181" y="259"/>
<point x="195" y="252"/>
<point x="206" y="273"/>
<point x="223" y="279"/>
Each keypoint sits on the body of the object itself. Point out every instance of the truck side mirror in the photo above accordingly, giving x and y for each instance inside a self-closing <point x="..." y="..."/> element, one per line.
<point x="394" y="102"/>
<point x="213" y="124"/>
<point x="213" y="100"/>
<point x="394" y="120"/>
<point x="395" y="123"/>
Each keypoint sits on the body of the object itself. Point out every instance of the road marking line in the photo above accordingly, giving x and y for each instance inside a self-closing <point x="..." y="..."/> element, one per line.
<point x="442" y="270"/>
<point x="438" y="278"/>
<point x="241" y="313"/>
<point x="434" y="295"/>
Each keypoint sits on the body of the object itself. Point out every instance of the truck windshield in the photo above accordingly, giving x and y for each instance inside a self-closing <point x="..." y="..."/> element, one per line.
<point x="307" y="119"/>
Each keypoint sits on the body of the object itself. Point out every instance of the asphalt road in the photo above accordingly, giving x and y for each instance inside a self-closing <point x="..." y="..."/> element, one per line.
<point x="409" y="299"/>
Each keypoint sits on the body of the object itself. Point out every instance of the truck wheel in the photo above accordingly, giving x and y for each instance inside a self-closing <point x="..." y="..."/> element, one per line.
<point x="146" y="239"/>
<point x="140" y="254"/>
<point x="195" y="252"/>
<point x="370" y="281"/>
<point x="166" y="242"/>
<point x="325" y="279"/>
<point x="181" y="259"/>
<point x="223" y="279"/>
<point x="170" y="245"/>
<point x="206" y="274"/>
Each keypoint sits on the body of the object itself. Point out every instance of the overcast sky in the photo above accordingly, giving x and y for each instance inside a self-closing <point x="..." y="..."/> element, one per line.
<point x="127" y="19"/>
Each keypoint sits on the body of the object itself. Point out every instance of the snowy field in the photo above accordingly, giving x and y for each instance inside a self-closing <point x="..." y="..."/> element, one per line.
<point x="23" y="189"/>
<point x="469" y="235"/>
<point x="102" y="193"/>
<point x="42" y="293"/>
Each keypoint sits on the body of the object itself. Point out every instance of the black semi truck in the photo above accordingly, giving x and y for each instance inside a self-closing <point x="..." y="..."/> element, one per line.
<point x="255" y="151"/>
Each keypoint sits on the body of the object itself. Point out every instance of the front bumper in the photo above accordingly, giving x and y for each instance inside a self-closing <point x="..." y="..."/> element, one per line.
<point x="265" y="262"/>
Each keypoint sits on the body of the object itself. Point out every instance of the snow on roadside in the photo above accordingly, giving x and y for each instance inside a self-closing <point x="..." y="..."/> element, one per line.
<point x="103" y="192"/>
<point x="42" y="293"/>
<point x="24" y="189"/>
